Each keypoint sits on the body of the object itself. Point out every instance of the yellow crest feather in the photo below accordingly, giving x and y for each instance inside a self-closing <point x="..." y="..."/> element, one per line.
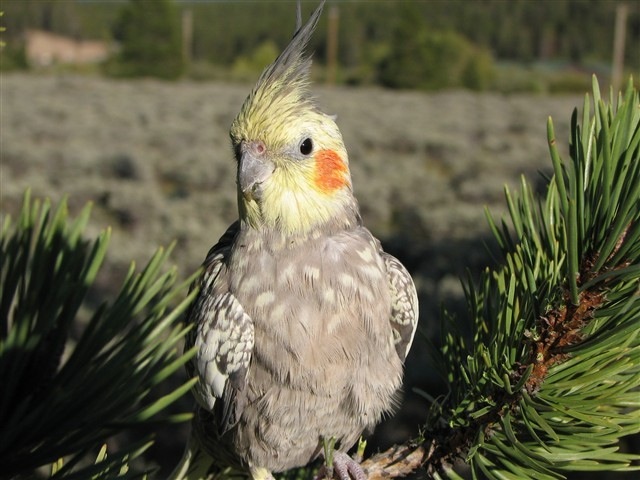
<point x="282" y="89"/>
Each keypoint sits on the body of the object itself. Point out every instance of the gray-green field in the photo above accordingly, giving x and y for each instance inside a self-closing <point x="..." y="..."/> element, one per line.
<point x="156" y="161"/>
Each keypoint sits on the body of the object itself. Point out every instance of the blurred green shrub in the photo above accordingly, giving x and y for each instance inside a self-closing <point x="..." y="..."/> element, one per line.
<point x="248" y="67"/>
<point x="569" y="82"/>
<point x="478" y="71"/>
<point x="151" y="43"/>
<point x="13" y="58"/>
<point x="517" y="78"/>
<point x="2" y="29"/>
<point x="432" y="59"/>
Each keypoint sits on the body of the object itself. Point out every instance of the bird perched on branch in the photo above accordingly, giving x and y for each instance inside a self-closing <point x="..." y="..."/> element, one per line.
<point x="303" y="322"/>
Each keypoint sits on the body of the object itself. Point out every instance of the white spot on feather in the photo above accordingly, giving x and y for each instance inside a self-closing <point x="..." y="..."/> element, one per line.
<point x="346" y="280"/>
<point x="265" y="299"/>
<point x="287" y="273"/>
<point x="365" y="255"/>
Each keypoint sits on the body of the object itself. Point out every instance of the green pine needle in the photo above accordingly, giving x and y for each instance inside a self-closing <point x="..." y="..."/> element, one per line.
<point x="63" y="399"/>
<point x="551" y="380"/>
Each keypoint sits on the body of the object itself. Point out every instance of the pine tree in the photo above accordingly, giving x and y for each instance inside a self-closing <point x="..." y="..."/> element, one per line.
<point x="149" y="33"/>
<point x="421" y="57"/>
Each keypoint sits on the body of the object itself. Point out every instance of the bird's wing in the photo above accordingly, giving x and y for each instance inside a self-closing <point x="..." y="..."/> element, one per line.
<point x="404" y="305"/>
<point x="223" y="336"/>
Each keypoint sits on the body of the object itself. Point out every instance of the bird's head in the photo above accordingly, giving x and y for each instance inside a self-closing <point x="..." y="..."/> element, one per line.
<point x="293" y="169"/>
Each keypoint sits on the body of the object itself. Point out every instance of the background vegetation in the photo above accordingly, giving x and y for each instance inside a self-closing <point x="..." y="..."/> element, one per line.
<point x="504" y="45"/>
<point x="150" y="41"/>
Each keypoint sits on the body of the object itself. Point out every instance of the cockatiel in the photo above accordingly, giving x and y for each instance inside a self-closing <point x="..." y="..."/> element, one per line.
<point x="303" y="322"/>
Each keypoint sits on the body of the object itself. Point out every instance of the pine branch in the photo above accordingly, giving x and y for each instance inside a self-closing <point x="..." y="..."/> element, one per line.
<point x="551" y="379"/>
<point x="63" y="397"/>
<point x="398" y="461"/>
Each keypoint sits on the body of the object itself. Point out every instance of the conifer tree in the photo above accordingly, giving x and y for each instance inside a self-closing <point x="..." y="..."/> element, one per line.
<point x="149" y="33"/>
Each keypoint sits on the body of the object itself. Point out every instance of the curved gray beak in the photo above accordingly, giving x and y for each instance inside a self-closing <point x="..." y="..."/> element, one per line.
<point x="253" y="169"/>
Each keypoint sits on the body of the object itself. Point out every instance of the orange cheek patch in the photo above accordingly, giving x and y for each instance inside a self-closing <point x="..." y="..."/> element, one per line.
<point x="330" y="171"/>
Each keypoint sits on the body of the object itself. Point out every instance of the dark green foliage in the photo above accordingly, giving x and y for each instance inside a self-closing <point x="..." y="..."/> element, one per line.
<point x="68" y="387"/>
<point x="12" y="58"/>
<point x="249" y="67"/>
<point x="550" y="382"/>
<point x="149" y="33"/>
<point x="565" y="32"/>
<point x="429" y="59"/>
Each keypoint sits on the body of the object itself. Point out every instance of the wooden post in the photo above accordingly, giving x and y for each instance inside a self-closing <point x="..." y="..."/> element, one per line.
<point x="332" y="45"/>
<point x="619" y="35"/>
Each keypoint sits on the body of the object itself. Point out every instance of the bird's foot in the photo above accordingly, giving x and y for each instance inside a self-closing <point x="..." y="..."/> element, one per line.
<point x="343" y="467"/>
<point x="346" y="468"/>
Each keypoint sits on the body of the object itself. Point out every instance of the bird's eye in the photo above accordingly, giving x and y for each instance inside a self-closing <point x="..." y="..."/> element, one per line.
<point x="306" y="146"/>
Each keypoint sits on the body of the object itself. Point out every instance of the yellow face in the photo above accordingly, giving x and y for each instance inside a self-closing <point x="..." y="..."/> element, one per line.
<point x="293" y="172"/>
